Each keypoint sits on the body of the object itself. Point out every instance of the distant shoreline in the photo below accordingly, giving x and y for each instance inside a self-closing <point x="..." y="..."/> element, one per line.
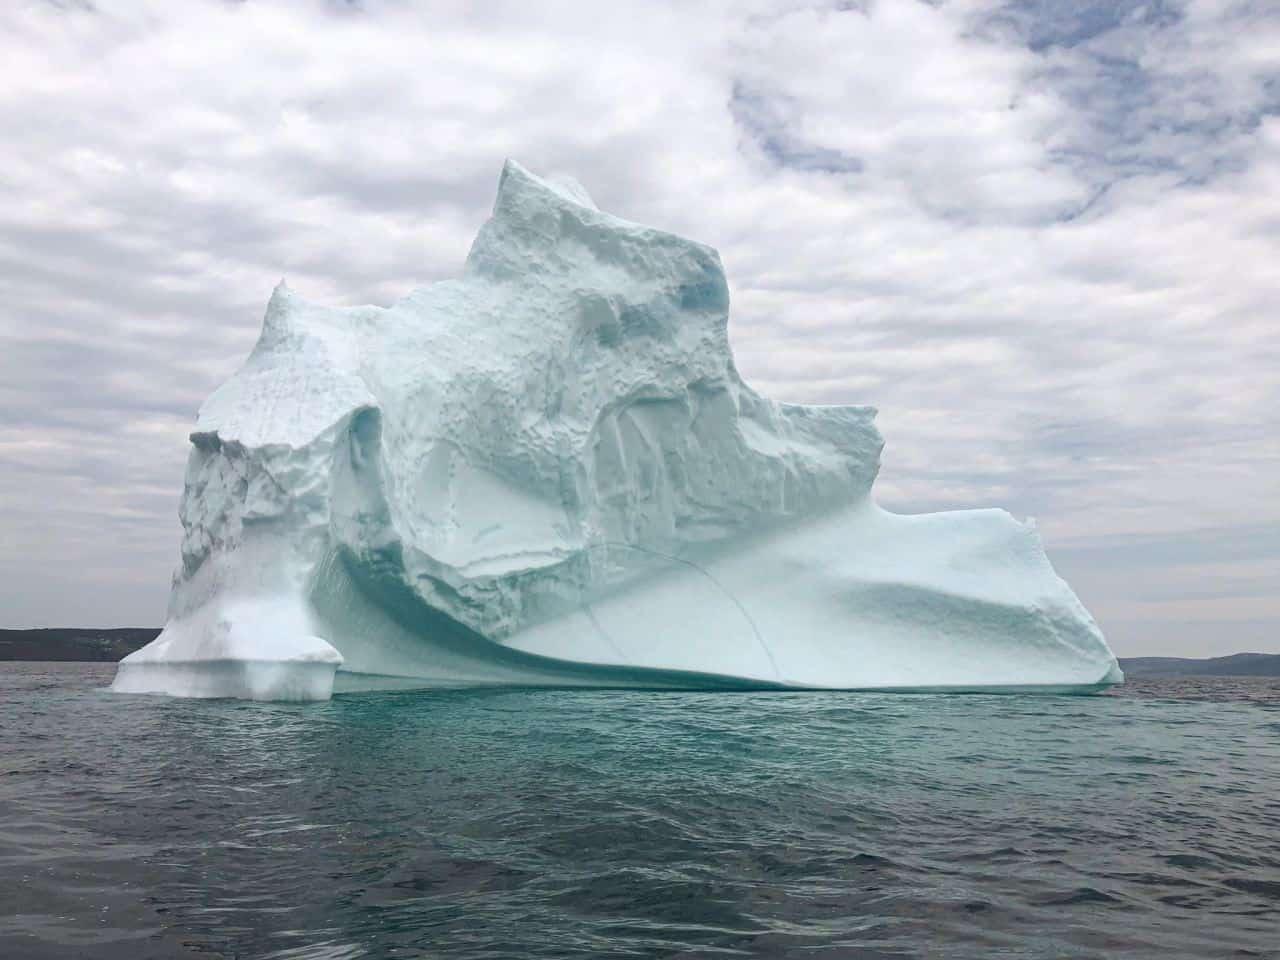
<point x="99" y="645"/>
<point x="83" y="644"/>
<point x="1235" y="665"/>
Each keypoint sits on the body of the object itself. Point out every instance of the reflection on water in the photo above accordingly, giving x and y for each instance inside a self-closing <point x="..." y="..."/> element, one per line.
<point x="596" y="824"/>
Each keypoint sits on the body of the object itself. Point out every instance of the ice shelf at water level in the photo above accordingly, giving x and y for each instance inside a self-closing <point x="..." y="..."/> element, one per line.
<point x="548" y="472"/>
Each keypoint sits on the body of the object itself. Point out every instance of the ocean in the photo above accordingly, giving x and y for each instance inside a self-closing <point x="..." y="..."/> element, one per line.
<point x="585" y="824"/>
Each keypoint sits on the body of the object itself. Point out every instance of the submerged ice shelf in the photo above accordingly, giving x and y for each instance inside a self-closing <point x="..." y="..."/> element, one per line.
<point x="548" y="472"/>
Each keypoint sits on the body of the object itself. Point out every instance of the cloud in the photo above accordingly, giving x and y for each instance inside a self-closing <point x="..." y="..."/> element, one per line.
<point x="1040" y="237"/>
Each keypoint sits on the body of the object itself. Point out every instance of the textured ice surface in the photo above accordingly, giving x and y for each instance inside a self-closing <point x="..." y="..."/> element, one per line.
<point x="548" y="471"/>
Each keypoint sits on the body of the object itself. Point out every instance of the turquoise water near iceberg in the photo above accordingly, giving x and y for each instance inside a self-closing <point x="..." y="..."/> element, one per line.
<point x="1145" y="822"/>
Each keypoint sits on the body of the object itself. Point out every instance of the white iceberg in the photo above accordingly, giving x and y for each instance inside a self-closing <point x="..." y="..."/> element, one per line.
<point x="548" y="472"/>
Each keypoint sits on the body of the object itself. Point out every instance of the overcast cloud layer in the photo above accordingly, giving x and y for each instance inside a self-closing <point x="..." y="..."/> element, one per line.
<point x="1043" y="238"/>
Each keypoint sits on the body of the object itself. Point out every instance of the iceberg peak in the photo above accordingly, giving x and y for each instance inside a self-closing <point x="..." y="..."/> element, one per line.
<point x="275" y="322"/>
<point x="517" y="183"/>
<point x="548" y="471"/>
<point x="550" y="226"/>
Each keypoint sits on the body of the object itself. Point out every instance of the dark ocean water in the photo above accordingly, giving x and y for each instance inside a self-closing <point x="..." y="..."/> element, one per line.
<point x="1144" y="823"/>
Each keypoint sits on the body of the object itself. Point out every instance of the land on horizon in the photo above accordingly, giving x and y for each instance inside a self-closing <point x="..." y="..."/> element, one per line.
<point x="91" y="644"/>
<point x="96" y="644"/>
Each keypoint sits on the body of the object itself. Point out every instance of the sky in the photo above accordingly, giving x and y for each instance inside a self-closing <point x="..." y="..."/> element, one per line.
<point x="1043" y="238"/>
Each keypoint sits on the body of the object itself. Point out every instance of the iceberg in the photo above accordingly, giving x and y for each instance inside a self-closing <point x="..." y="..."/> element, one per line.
<point x="548" y="472"/>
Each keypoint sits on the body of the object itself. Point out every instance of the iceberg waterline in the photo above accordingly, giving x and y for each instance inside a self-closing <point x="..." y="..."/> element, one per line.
<point x="549" y="472"/>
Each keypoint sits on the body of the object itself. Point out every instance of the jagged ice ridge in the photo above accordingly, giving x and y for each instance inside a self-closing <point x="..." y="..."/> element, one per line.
<point x="549" y="472"/>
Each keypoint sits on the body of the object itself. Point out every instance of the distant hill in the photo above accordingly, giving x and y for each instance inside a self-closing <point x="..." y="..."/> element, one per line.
<point x="90" y="643"/>
<point x="74" y="643"/>
<point x="1236" y="665"/>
